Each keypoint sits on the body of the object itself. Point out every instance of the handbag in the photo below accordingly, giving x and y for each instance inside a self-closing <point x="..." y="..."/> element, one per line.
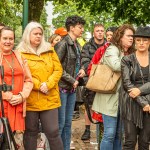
<point x="103" y="79"/>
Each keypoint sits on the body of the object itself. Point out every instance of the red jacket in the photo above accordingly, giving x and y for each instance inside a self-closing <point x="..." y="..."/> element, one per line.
<point x="97" y="56"/>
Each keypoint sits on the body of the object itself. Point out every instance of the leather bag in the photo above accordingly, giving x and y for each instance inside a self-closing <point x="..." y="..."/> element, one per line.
<point x="103" y="79"/>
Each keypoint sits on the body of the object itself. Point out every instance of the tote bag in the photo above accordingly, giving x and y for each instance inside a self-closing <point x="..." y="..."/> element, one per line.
<point x="103" y="79"/>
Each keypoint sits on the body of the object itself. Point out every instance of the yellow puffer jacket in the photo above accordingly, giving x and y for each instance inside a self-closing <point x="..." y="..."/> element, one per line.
<point x="44" y="68"/>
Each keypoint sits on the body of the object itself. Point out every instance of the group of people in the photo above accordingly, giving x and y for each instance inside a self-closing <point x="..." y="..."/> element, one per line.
<point x="33" y="70"/>
<point x="44" y="78"/>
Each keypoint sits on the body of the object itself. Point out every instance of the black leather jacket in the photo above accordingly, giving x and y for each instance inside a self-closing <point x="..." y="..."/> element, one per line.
<point x="133" y="109"/>
<point x="66" y="52"/>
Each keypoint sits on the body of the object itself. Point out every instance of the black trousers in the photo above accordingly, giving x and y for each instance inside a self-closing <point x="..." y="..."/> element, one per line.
<point x="132" y="133"/>
<point x="49" y="122"/>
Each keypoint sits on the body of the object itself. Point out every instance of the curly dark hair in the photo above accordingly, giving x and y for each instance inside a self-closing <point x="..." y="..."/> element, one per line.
<point x="118" y="34"/>
<point x="73" y="21"/>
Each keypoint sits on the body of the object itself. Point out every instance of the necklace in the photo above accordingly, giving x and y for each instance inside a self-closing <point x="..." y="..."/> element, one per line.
<point x="11" y="66"/>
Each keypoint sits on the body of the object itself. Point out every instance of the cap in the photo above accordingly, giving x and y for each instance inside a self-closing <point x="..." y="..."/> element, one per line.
<point x="61" y="31"/>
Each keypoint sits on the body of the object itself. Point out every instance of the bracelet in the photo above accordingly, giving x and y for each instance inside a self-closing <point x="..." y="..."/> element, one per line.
<point x="21" y="96"/>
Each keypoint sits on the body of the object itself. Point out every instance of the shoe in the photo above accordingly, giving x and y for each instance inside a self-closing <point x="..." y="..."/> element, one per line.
<point x="72" y="146"/>
<point x="41" y="141"/>
<point x="76" y="116"/>
<point x="86" y="135"/>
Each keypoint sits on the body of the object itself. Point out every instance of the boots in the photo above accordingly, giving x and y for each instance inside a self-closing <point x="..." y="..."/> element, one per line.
<point x="86" y="135"/>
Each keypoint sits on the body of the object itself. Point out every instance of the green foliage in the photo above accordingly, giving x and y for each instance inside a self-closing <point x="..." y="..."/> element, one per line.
<point x="137" y="11"/>
<point x="10" y="13"/>
<point x="43" y="18"/>
<point x="59" y="1"/>
<point x="61" y="12"/>
<point x="132" y="11"/>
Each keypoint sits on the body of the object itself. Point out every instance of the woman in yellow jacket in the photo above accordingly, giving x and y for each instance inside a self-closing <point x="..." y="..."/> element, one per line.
<point x="44" y="99"/>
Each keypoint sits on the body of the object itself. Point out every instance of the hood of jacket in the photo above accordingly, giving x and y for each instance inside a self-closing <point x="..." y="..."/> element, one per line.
<point x="26" y="49"/>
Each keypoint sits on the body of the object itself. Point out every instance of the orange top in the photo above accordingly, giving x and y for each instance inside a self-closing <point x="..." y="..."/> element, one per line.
<point x="13" y="113"/>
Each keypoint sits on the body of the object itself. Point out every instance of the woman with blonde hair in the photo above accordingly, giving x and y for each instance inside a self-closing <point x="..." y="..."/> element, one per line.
<point x="135" y="93"/>
<point x="44" y="100"/>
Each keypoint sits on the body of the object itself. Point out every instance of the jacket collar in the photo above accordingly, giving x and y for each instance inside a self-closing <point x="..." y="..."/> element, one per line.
<point x="69" y="40"/>
<point x="50" y="50"/>
<point x="92" y="41"/>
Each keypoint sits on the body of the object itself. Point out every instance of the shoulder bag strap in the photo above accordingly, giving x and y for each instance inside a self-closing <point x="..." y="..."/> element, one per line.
<point x="87" y="107"/>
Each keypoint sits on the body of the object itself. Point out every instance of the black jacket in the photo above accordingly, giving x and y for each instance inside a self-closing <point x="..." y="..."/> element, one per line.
<point x="133" y="109"/>
<point x="67" y="54"/>
<point x="88" y="51"/>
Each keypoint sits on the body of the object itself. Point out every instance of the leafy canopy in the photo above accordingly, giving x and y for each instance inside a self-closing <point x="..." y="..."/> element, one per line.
<point x="61" y="12"/>
<point x="132" y="11"/>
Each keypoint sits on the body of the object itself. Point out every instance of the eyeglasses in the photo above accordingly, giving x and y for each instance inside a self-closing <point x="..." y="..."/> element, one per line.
<point x="129" y="36"/>
<point x="143" y="40"/>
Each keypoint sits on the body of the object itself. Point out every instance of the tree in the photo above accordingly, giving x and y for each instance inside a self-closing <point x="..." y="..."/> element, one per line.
<point x="10" y="13"/>
<point x="133" y="11"/>
<point x="35" y="9"/>
<point x="61" y="12"/>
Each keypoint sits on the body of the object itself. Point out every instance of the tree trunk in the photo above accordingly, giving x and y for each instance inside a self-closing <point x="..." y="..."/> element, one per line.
<point x="35" y="9"/>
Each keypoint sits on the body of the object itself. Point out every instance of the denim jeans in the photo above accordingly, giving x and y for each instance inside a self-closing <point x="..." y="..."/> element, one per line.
<point x="111" y="139"/>
<point x="65" y="117"/>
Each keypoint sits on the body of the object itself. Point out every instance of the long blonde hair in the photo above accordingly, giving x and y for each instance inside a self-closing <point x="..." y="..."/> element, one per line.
<point x="25" y="45"/>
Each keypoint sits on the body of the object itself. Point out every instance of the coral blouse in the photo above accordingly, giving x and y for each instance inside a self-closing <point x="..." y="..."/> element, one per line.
<point x="13" y="113"/>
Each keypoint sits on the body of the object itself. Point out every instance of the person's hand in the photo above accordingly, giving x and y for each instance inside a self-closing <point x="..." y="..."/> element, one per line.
<point x="134" y="92"/>
<point x="81" y="73"/>
<point x="146" y="108"/>
<point x="44" y="88"/>
<point x="16" y="99"/>
<point x="75" y="84"/>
